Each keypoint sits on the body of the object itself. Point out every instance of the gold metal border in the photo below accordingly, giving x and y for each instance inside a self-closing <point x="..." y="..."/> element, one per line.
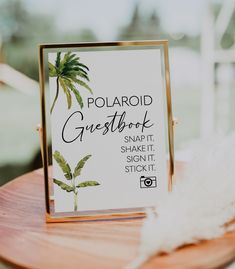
<point x="44" y="146"/>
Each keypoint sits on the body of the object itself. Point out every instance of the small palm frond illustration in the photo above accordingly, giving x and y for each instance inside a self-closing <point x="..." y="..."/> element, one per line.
<point x="73" y="185"/>
<point x="69" y="71"/>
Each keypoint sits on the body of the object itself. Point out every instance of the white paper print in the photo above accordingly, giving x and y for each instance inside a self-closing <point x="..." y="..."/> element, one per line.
<point x="108" y="129"/>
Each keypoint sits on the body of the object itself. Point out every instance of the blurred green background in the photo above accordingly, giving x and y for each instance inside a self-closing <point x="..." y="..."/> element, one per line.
<point x="202" y="89"/>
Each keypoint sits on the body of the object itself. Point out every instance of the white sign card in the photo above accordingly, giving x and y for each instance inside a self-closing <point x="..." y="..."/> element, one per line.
<point x="110" y="128"/>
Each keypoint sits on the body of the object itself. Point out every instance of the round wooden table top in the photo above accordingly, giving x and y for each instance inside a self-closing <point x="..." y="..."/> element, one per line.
<point x="26" y="241"/>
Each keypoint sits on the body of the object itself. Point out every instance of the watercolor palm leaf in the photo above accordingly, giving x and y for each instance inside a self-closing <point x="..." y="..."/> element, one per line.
<point x="72" y="184"/>
<point x="69" y="73"/>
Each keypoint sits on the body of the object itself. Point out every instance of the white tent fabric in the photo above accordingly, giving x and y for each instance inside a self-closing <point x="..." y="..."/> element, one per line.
<point x="17" y="80"/>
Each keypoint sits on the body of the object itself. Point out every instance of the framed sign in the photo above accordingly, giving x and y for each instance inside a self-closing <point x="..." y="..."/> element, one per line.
<point x="107" y="127"/>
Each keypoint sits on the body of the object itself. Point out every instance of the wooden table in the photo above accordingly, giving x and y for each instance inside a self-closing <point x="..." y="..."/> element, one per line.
<point x="26" y="241"/>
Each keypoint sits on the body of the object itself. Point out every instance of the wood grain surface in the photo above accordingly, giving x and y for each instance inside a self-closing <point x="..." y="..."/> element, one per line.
<point x="26" y="241"/>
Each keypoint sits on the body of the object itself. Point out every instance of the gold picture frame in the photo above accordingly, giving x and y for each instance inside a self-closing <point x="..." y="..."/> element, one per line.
<point x="133" y="213"/>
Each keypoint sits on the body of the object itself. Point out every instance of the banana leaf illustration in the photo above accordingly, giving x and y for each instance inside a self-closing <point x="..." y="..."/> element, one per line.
<point x="72" y="183"/>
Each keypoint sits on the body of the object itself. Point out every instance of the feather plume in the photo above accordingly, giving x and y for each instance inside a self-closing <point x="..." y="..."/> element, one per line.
<point x="199" y="206"/>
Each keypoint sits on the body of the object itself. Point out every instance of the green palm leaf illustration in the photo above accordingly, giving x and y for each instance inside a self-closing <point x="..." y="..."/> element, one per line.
<point x="82" y="83"/>
<point x="52" y="70"/>
<point x="87" y="184"/>
<point x="62" y="185"/>
<point x="69" y="72"/>
<point x="57" y="61"/>
<point x="63" y="165"/>
<point x="66" y="91"/>
<point x="80" y="165"/>
<point x="75" y="92"/>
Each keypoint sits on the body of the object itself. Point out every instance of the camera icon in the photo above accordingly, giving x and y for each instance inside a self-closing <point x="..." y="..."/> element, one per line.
<point x="148" y="182"/>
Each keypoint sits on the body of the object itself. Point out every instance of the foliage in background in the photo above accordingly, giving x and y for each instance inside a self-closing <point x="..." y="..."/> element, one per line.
<point x="21" y="32"/>
<point x="145" y="27"/>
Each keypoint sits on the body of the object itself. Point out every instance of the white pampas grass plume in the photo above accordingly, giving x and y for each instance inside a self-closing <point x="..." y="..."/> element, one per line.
<point x="199" y="206"/>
